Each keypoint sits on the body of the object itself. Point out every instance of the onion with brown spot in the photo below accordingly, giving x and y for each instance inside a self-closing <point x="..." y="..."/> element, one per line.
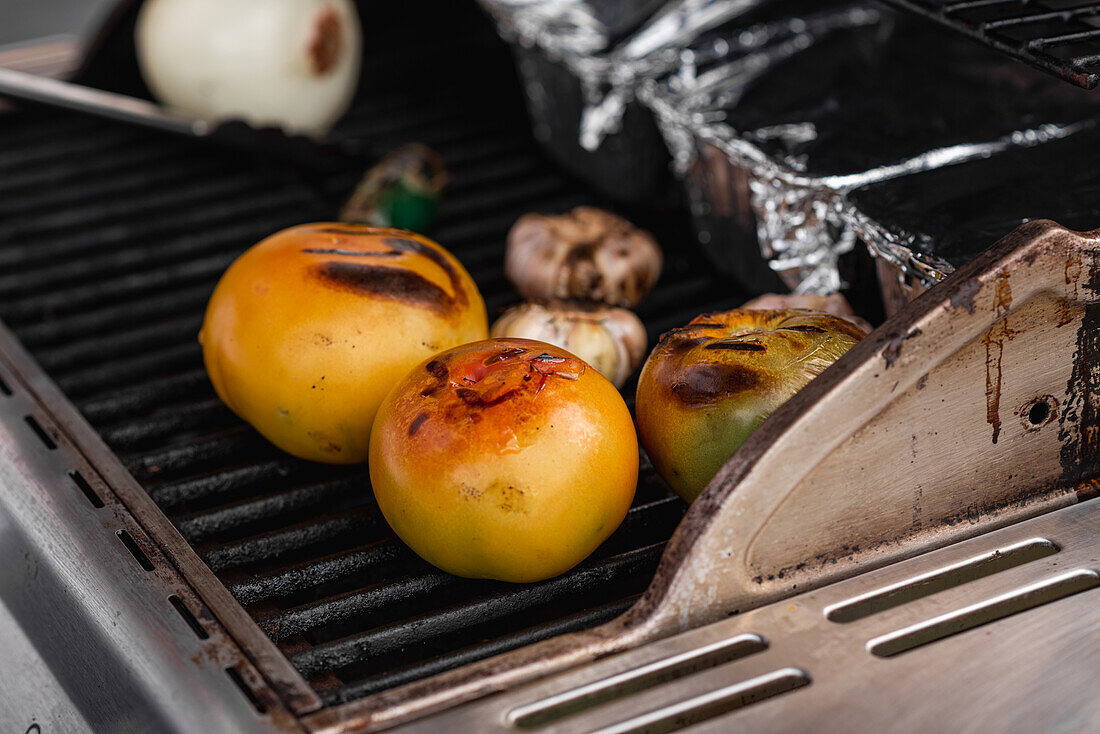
<point x="293" y="64"/>
<point x="708" y="385"/>
<point x="587" y="254"/>
<point x="307" y="331"/>
<point x="613" y="340"/>
<point x="508" y="459"/>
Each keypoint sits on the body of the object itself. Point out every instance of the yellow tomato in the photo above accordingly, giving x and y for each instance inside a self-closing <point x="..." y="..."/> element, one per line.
<point x="308" y="330"/>
<point x="507" y="459"/>
<point x="708" y="385"/>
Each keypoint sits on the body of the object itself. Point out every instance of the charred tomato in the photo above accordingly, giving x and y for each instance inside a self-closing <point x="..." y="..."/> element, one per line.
<point x="708" y="385"/>
<point x="309" y="329"/>
<point x="508" y="459"/>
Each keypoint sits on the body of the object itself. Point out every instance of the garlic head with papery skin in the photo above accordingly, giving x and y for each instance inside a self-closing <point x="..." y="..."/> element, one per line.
<point x="292" y="64"/>
<point x="586" y="254"/>
<point x="613" y="340"/>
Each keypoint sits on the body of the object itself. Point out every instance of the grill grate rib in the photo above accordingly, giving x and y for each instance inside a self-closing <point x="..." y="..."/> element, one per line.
<point x="511" y="600"/>
<point x="1056" y="36"/>
<point x="111" y="241"/>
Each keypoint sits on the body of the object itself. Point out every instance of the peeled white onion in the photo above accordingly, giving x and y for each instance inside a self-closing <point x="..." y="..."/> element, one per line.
<point x="292" y="64"/>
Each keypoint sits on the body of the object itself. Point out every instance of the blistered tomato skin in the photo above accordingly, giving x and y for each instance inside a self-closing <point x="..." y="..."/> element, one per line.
<point x="507" y="459"/>
<point x="308" y="330"/>
<point x="708" y="385"/>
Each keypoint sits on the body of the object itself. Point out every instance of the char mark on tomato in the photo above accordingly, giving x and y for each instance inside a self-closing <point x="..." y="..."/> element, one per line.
<point x="475" y="399"/>
<point x="416" y="423"/>
<point x="737" y="346"/>
<point x="351" y="253"/>
<point x="679" y="343"/>
<point x="395" y="284"/>
<point x="502" y="356"/>
<point x="405" y="244"/>
<point x="705" y="384"/>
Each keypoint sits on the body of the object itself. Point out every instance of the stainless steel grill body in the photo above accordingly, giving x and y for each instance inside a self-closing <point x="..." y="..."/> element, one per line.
<point x="1013" y="648"/>
<point x="179" y="573"/>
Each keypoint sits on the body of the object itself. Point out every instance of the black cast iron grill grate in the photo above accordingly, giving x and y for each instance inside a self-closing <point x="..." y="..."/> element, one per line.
<point x="1060" y="37"/>
<point x="111" y="240"/>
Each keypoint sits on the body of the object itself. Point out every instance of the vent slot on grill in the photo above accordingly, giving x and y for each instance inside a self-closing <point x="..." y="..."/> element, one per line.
<point x="135" y="549"/>
<point x="238" y="679"/>
<point x="982" y="613"/>
<point x="45" y="438"/>
<point x="547" y="711"/>
<point x="188" y="617"/>
<point x="711" y="705"/>
<point x="930" y="583"/>
<point x="82" y="484"/>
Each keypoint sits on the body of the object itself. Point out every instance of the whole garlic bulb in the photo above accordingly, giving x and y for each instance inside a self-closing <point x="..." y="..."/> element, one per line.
<point x="287" y="63"/>
<point x="613" y="340"/>
<point x="586" y="254"/>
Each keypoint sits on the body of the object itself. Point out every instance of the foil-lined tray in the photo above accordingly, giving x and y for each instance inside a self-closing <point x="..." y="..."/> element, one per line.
<point x="581" y="63"/>
<point x="792" y="127"/>
<point x="952" y="213"/>
<point x="775" y="147"/>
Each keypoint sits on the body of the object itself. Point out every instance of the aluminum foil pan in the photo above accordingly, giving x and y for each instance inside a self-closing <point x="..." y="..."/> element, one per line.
<point x="581" y="62"/>
<point x="952" y="213"/>
<point x="773" y="145"/>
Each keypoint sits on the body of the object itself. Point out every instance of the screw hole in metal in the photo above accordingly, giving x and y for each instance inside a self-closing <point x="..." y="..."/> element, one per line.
<point x="188" y="617"/>
<point x="135" y="549"/>
<point x="1039" y="412"/>
<point x="236" y="677"/>
<point x="45" y="438"/>
<point x="82" y="484"/>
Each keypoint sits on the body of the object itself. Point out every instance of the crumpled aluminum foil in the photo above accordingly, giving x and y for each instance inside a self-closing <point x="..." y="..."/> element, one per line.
<point x="804" y="223"/>
<point x="559" y="27"/>
<point x="569" y="32"/>
<point x="799" y="224"/>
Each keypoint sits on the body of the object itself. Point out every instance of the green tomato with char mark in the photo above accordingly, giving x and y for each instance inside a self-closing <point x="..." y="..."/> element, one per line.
<point x="708" y="385"/>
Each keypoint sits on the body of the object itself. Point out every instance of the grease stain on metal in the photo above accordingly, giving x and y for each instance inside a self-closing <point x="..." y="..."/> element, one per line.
<point x="964" y="295"/>
<point x="1079" y="423"/>
<point x="892" y="350"/>
<point x="994" y="341"/>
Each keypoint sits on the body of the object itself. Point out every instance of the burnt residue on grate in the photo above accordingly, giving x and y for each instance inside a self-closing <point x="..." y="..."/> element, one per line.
<point x="111" y="240"/>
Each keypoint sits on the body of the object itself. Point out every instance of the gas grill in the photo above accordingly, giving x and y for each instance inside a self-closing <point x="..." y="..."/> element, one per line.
<point x="166" y="569"/>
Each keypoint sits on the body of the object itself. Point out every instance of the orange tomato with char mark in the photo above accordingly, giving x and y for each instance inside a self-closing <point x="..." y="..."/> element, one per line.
<point x="507" y="459"/>
<point x="309" y="329"/>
